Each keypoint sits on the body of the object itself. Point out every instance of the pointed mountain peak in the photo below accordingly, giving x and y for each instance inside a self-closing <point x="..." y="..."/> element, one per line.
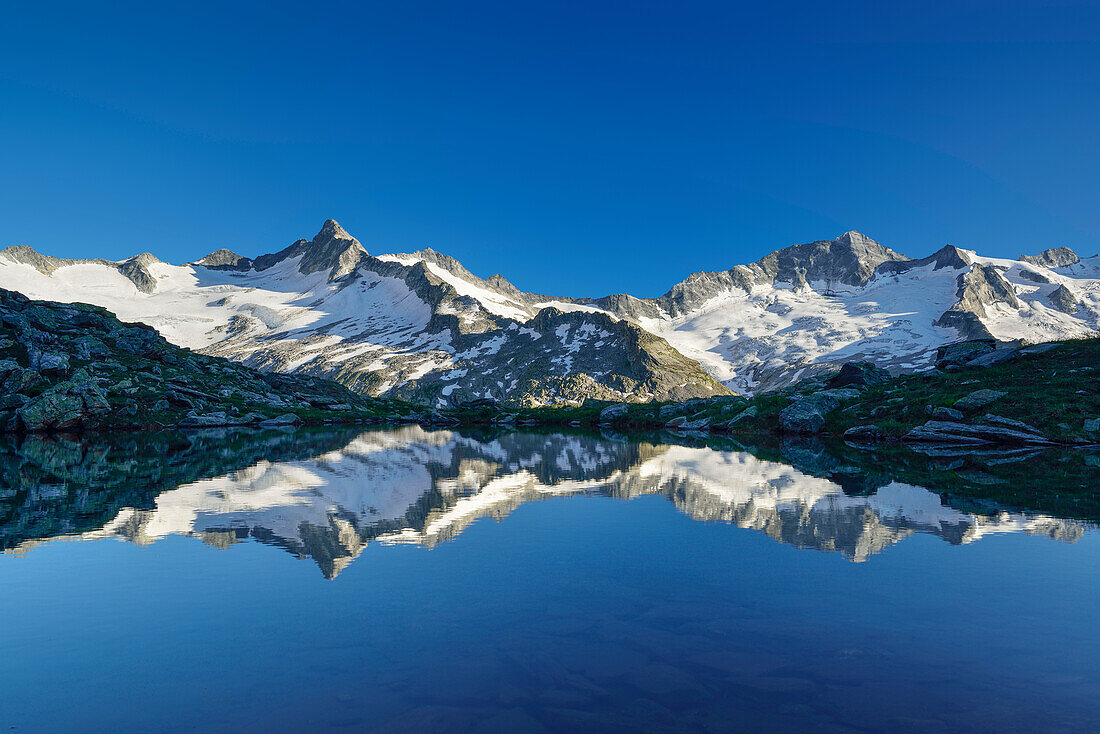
<point x="332" y="249"/>
<point x="853" y="236"/>
<point x="950" y="256"/>
<point x="331" y="229"/>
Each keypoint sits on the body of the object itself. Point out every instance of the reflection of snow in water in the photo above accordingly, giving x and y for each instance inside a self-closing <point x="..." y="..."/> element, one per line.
<point x="417" y="487"/>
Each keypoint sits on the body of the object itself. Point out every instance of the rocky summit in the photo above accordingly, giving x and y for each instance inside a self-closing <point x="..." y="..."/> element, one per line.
<point x="421" y="327"/>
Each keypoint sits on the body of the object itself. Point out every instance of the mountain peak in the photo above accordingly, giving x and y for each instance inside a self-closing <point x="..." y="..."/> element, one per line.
<point x="850" y="259"/>
<point x="331" y="249"/>
<point x="947" y="256"/>
<point x="1055" y="257"/>
<point x="225" y="260"/>
<point x="331" y="229"/>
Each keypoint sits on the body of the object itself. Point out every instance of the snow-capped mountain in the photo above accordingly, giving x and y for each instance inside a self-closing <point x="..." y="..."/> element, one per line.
<point x="412" y="486"/>
<point x="421" y="327"/>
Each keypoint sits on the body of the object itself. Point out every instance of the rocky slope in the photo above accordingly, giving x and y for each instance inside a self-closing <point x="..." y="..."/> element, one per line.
<point x="420" y="326"/>
<point x="75" y="367"/>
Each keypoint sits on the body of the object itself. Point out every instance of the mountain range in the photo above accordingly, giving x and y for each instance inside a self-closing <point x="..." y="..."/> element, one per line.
<point x="421" y="327"/>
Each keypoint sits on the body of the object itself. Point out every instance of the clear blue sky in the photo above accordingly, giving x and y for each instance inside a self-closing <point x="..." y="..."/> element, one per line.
<point x="577" y="148"/>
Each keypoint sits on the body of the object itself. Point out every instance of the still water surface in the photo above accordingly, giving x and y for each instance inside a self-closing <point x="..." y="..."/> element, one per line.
<point x="432" y="581"/>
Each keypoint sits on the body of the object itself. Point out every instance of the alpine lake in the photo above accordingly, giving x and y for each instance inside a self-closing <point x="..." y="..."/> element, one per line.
<point x="408" y="580"/>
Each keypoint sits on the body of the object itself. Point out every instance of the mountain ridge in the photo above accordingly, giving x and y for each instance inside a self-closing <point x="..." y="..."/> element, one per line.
<point x="422" y="327"/>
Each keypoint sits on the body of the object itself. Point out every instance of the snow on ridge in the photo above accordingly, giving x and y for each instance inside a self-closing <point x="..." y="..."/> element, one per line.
<point x="750" y="339"/>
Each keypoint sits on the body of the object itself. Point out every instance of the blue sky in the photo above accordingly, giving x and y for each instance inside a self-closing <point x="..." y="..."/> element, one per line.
<point x="577" y="148"/>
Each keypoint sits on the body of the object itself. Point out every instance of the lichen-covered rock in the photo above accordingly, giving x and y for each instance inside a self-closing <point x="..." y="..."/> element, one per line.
<point x="52" y="410"/>
<point x="681" y="423"/>
<point x="962" y="352"/>
<point x="613" y="412"/>
<point x="286" y="419"/>
<point x="863" y="433"/>
<point x="1010" y="422"/>
<point x="995" y="357"/>
<point x="47" y="362"/>
<point x="952" y="432"/>
<point x="13" y="400"/>
<point x="7" y="366"/>
<point x="942" y="413"/>
<point x="979" y="399"/>
<point x="750" y="412"/>
<point x="807" y="415"/>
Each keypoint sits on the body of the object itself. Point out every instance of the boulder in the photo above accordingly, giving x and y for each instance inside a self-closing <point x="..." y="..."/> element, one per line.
<point x="807" y="415"/>
<point x="613" y="412"/>
<point x="7" y="366"/>
<point x="23" y="381"/>
<point x="286" y="419"/>
<point x="1092" y="425"/>
<point x="952" y="432"/>
<point x="88" y="347"/>
<point x="52" y="410"/>
<point x="95" y="401"/>
<point x="435" y="418"/>
<point x="747" y="413"/>
<point x="1039" y="348"/>
<point x="1010" y="422"/>
<point x="858" y="374"/>
<point x="992" y="358"/>
<point x="943" y="414"/>
<point x="960" y="353"/>
<point x="863" y="433"/>
<point x="218" y="418"/>
<point x="680" y="423"/>
<point x="48" y="363"/>
<point x="979" y="399"/>
<point x="13" y="400"/>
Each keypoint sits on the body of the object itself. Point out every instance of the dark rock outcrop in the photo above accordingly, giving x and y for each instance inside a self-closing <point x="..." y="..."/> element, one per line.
<point x="858" y="374"/>
<point x="1062" y="299"/>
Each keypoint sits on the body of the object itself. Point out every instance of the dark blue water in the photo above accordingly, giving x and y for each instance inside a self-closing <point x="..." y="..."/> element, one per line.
<point x="603" y="587"/>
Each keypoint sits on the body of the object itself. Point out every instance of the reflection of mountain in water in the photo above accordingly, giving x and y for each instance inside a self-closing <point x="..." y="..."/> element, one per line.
<point x="413" y="486"/>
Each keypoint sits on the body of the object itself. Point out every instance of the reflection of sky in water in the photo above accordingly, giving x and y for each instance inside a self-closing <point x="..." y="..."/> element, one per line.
<point x="573" y="614"/>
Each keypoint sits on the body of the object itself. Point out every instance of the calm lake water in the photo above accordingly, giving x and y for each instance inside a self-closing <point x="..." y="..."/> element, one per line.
<point x="410" y="580"/>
